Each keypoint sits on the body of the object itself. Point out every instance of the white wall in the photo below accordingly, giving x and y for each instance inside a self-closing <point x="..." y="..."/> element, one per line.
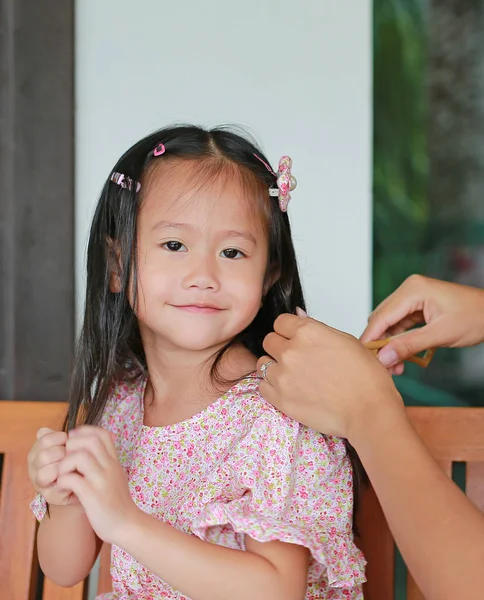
<point x="296" y="73"/>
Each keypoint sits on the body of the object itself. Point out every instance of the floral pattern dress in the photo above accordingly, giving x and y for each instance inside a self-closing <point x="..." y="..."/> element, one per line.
<point x="239" y="467"/>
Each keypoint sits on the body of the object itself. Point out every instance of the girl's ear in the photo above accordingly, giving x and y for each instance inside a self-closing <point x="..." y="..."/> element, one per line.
<point x="272" y="276"/>
<point x="114" y="265"/>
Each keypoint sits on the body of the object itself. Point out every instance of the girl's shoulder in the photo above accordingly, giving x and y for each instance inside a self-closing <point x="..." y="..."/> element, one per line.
<point x="264" y="426"/>
<point x="283" y="481"/>
<point x="245" y="401"/>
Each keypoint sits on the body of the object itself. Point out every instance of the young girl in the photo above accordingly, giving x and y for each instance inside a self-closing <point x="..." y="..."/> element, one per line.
<point x="172" y="456"/>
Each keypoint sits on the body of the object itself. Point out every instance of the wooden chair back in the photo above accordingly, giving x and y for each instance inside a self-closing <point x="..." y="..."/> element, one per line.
<point x="452" y="435"/>
<point x="19" y="569"/>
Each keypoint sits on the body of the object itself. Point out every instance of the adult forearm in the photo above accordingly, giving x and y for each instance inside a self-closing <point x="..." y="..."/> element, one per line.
<point x="439" y="532"/>
<point x="67" y="545"/>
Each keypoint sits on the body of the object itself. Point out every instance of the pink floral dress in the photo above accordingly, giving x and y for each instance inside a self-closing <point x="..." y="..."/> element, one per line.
<point x="239" y="467"/>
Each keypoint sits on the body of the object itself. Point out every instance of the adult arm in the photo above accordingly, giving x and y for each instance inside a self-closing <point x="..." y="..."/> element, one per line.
<point x="327" y="380"/>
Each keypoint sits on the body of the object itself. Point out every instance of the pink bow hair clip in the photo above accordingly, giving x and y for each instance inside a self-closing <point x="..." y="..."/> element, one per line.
<point x="286" y="183"/>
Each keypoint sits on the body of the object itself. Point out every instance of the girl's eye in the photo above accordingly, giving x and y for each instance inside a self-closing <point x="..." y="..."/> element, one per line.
<point x="173" y="246"/>
<point x="232" y="253"/>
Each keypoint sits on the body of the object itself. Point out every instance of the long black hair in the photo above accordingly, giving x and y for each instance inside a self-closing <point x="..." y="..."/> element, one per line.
<point x="110" y="346"/>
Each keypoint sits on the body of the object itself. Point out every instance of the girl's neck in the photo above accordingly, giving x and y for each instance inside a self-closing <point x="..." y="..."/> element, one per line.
<point x="180" y="383"/>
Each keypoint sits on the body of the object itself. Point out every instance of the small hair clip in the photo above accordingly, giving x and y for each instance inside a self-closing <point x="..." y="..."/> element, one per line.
<point x="286" y="183"/>
<point x="159" y="150"/>
<point x="124" y="182"/>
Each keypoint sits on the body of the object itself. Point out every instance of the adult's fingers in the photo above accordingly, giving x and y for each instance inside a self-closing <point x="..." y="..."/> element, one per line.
<point x="406" y="300"/>
<point x="272" y="367"/>
<point x="274" y="344"/>
<point x="286" y="325"/>
<point x="397" y="369"/>
<point x="406" y="324"/>
<point x="409" y="344"/>
<point x="388" y="315"/>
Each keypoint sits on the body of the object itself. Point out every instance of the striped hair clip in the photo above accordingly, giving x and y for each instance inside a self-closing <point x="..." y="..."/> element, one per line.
<point x="124" y="181"/>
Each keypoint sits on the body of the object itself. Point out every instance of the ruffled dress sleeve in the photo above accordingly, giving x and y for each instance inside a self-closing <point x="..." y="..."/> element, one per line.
<point x="296" y="487"/>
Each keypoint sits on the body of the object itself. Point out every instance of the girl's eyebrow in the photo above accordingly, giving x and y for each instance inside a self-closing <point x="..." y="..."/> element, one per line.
<point x="171" y="225"/>
<point x="246" y="235"/>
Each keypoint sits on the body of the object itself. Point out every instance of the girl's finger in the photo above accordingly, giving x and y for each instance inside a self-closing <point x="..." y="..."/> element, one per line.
<point x="88" y="432"/>
<point x="84" y="463"/>
<point x="43" y="431"/>
<point x="92" y="444"/>
<point x="46" y="476"/>
<point x="76" y="484"/>
<point x="49" y="456"/>
<point x="51" y="438"/>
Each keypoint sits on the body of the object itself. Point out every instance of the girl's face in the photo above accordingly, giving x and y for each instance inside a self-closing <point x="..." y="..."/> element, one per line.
<point x="202" y="258"/>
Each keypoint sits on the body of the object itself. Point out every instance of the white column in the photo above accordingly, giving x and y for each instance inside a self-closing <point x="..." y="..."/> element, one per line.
<point x="296" y="74"/>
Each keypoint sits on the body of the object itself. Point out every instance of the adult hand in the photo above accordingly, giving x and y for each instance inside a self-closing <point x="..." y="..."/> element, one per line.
<point x="452" y="314"/>
<point x="325" y="378"/>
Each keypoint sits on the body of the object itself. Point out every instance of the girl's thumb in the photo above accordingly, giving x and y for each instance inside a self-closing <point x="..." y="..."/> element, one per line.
<point x="43" y="431"/>
<point x="301" y="313"/>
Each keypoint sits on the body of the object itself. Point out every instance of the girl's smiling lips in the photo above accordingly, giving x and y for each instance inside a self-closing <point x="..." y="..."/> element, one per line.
<point x="199" y="307"/>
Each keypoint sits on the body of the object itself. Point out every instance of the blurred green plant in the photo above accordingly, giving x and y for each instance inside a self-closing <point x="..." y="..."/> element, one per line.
<point x="403" y="238"/>
<point x="400" y="160"/>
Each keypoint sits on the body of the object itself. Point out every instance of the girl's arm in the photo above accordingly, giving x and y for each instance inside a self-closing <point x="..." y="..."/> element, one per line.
<point x="198" y="569"/>
<point x="67" y="545"/>
<point x="205" y="571"/>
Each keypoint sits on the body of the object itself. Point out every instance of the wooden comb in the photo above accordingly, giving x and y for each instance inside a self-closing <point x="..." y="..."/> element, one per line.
<point x="421" y="361"/>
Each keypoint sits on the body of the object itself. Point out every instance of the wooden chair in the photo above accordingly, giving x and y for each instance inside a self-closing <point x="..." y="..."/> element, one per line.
<point x="453" y="435"/>
<point x="19" y="570"/>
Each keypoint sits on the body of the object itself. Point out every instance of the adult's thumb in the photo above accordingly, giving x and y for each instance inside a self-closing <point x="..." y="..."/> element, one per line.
<point x="406" y="345"/>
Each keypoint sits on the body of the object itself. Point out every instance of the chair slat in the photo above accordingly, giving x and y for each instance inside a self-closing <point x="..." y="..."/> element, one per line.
<point x="452" y="435"/>
<point x="105" y="582"/>
<point x="17" y="526"/>
<point x="377" y="544"/>
<point x="52" y="591"/>
<point x="19" y="422"/>
<point x="475" y="483"/>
